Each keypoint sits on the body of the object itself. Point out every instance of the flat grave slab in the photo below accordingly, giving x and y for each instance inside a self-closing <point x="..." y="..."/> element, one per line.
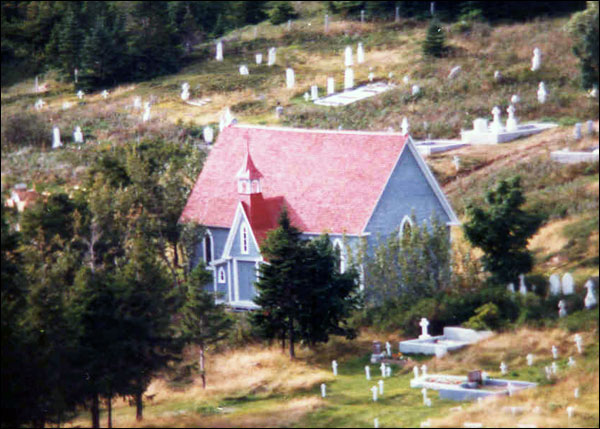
<point x="429" y="147"/>
<point x="353" y="95"/>
<point x="504" y="136"/>
<point x="453" y="338"/>
<point x="568" y="157"/>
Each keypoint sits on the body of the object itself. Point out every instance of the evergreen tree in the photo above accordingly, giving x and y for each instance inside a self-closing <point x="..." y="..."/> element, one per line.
<point x="202" y="321"/>
<point x="70" y="40"/>
<point x="583" y="27"/>
<point x="502" y="230"/>
<point x="281" y="12"/>
<point x="434" y="41"/>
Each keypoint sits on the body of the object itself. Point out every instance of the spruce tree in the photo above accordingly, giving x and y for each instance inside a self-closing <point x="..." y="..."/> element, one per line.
<point x="434" y="41"/>
<point x="281" y="12"/>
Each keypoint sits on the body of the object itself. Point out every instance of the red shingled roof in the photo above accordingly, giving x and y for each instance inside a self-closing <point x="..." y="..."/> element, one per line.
<point x="329" y="180"/>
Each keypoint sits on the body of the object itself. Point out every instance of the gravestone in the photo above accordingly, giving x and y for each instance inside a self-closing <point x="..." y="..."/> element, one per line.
<point x="456" y="162"/>
<point x="578" y="343"/>
<point x="590" y="128"/>
<point x="424" y="370"/>
<point x="314" y="92"/>
<point x="349" y="78"/>
<point x="323" y="390"/>
<point x="137" y="102"/>
<point x="388" y="371"/>
<point x="326" y="23"/>
<point x="397" y="14"/>
<point x="78" y="135"/>
<point x="496" y="126"/>
<point x="348" y="56"/>
<point x="388" y="349"/>
<point x="530" y="359"/>
<point x="146" y="115"/>
<point x="548" y="371"/>
<point x="39" y="104"/>
<point x="555" y="286"/>
<point x="334" y="367"/>
<point x="590" y="300"/>
<point x="424" y="323"/>
<point x="554" y="352"/>
<point x="570" y="412"/>
<point x="278" y="111"/>
<point x="226" y="119"/>
<point x="577" y="131"/>
<point x="80" y="94"/>
<point x="562" y="308"/>
<point x="593" y="92"/>
<point x="511" y="122"/>
<point x="568" y="284"/>
<point x="382" y="369"/>
<point x="244" y="70"/>
<point x="374" y="391"/>
<point x="522" y="286"/>
<point x="497" y="76"/>
<point x="454" y="72"/>
<point x="208" y="134"/>
<point x="185" y="91"/>
<point x="56" y="143"/>
<point x="511" y="288"/>
<point x="571" y="362"/>
<point x="406" y="79"/>
<point x="416" y="371"/>
<point x="36" y="85"/>
<point x="306" y="96"/>
<point x="380" y="383"/>
<point x="515" y="99"/>
<point x="362" y="16"/>
<point x="258" y="59"/>
<point x="219" y="54"/>
<point x="105" y="94"/>
<point x="542" y="94"/>
<point x="440" y="352"/>
<point x="371" y="76"/>
<point x="360" y="53"/>
<point x="289" y="25"/>
<point x="576" y="393"/>
<point x="272" y="56"/>
<point x="480" y="125"/>
<point x="503" y="368"/>
<point x="368" y="372"/>
<point x="554" y="367"/>
<point x="289" y="78"/>
<point x="536" y="60"/>
<point x="405" y="129"/>
<point x="415" y="90"/>
<point x="376" y="423"/>
<point x="330" y="86"/>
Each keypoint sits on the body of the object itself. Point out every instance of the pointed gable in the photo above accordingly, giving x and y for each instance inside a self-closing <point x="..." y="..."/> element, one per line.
<point x="328" y="180"/>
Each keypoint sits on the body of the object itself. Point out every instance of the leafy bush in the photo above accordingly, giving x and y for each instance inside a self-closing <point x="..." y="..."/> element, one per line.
<point x="26" y="129"/>
<point x="486" y="317"/>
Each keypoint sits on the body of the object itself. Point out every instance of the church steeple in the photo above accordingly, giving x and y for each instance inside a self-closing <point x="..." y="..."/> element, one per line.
<point x="248" y="176"/>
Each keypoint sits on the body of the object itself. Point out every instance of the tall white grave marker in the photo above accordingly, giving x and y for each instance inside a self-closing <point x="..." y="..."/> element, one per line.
<point x="289" y="78"/>
<point x="536" y="60"/>
<point x="258" y="59"/>
<point x="511" y="287"/>
<point x="185" y="91"/>
<point x="579" y="343"/>
<point x="405" y="130"/>
<point x="562" y="308"/>
<point x="590" y="300"/>
<point x="334" y="367"/>
<point x="416" y="372"/>
<point x="568" y="284"/>
<point x="555" y="287"/>
<point x="424" y="370"/>
<point x="577" y="131"/>
<point x="272" y="57"/>
<point x="522" y="286"/>
<point x="326" y="24"/>
<point x="105" y="94"/>
<point x="382" y="369"/>
<point x="330" y="86"/>
<point x="374" y="391"/>
<point x="380" y="383"/>
<point x="496" y="126"/>
<point x="388" y="348"/>
<point x="424" y="323"/>
<point x="219" y="55"/>
<point x="349" y="78"/>
<point x="137" y="102"/>
<point x="511" y="122"/>
<point x="80" y="94"/>
<point x="36" y="85"/>
<point x="314" y="92"/>
<point x="78" y="135"/>
<point x="576" y="393"/>
<point x="208" y="134"/>
<point x="368" y="372"/>
<point x="146" y="115"/>
<point x="348" y="56"/>
<point x="530" y="359"/>
<point x="415" y="90"/>
<point x="362" y="16"/>
<point x="554" y="352"/>
<point x="56" y="143"/>
<point x="503" y="368"/>
<point x="397" y="14"/>
<point x="515" y="99"/>
<point x="542" y="94"/>
<point x="360" y="53"/>
<point x="323" y="390"/>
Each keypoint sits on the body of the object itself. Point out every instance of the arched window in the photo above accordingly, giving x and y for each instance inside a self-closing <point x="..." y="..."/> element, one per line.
<point x="208" y="248"/>
<point x="405" y="227"/>
<point x="244" y="239"/>
<point x="221" y="277"/>
<point x="338" y="247"/>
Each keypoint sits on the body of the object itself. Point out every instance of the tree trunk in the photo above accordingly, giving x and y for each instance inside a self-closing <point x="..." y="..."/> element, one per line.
<point x="109" y="407"/>
<point x="95" y="411"/>
<point x="283" y="342"/>
<point x="175" y="255"/>
<point x="202" y="366"/>
<point x="139" y="405"/>
<point x="291" y="334"/>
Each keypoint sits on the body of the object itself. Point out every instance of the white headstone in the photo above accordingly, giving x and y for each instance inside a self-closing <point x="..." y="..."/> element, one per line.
<point x="548" y="371"/>
<point x="456" y="162"/>
<point x="371" y="76"/>
<point x="348" y="56"/>
<point x="334" y="367"/>
<point x="388" y="371"/>
<point x="542" y="94"/>
<point x="272" y="56"/>
<point x="39" y="104"/>
<point x="593" y="92"/>
<point x="382" y="369"/>
<point x="576" y="393"/>
<point x="510" y="388"/>
<point x="105" y="94"/>
<point x="405" y="129"/>
<point x="219" y="55"/>
<point x="496" y="126"/>
<point x="259" y="59"/>
<point x="137" y="102"/>
<point x="397" y="14"/>
<point x="562" y="308"/>
<point x="56" y="143"/>
<point x="497" y="76"/>
<point x="522" y="285"/>
<point x="388" y="348"/>
<point x="306" y="96"/>
<point x="225" y="119"/>
<point x="568" y="284"/>
<point x="146" y="115"/>
<point x="78" y="135"/>
<point x="555" y="288"/>
<point x="330" y="86"/>
<point x="208" y="134"/>
<point x="554" y="352"/>
<point x="349" y="78"/>
<point x="511" y="287"/>
<point x="376" y="423"/>
<point x="571" y="362"/>
<point x="415" y="90"/>
<point x="406" y="79"/>
<point x="380" y="383"/>
<point x="480" y="125"/>
<point x="314" y="92"/>
<point x="570" y="411"/>
<point x="289" y="78"/>
<point x="424" y="323"/>
<point x="424" y="370"/>
<point x="374" y="391"/>
<point x="360" y="53"/>
<point x="590" y="300"/>
<point x="577" y="131"/>
<point x="323" y="390"/>
<point x="511" y="122"/>
<point x="362" y="16"/>
<point x="416" y="371"/>
<point x="244" y="70"/>
<point x="368" y="372"/>
<point x="530" y="359"/>
<point x="578" y="343"/>
<point x="503" y="368"/>
<point x="536" y="60"/>
<point x="454" y="72"/>
<point x="80" y="94"/>
<point x="515" y="99"/>
<point x="185" y="91"/>
<point x="326" y="23"/>
<point x="590" y="129"/>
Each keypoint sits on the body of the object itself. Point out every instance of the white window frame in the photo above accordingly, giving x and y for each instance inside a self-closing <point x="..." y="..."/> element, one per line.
<point x="405" y="220"/>
<point x="221" y="277"/>
<point x="212" y="247"/>
<point x="244" y="240"/>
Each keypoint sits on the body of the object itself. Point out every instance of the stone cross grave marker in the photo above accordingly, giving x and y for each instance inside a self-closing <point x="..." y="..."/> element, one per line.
<point x="578" y="343"/>
<point x="334" y="367"/>
<point x="511" y="122"/>
<point x="522" y="286"/>
<point x="568" y="284"/>
<point x="56" y="143"/>
<point x="368" y="372"/>
<point x="503" y="368"/>
<point x="554" y="352"/>
<point x="380" y="383"/>
<point x="562" y="308"/>
<point x="424" y="323"/>
<point x="388" y="349"/>
<point x="536" y="60"/>
<point x="496" y="126"/>
<point x="146" y="115"/>
<point x="219" y="54"/>
<point x="80" y="94"/>
<point x="590" y="300"/>
<point x="78" y="135"/>
<point x="555" y="287"/>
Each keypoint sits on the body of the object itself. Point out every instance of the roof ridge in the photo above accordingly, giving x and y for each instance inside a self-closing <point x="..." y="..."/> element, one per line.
<point x="320" y="131"/>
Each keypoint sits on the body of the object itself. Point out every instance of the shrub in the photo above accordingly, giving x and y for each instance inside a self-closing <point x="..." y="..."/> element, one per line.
<point x="434" y="41"/>
<point x="486" y="317"/>
<point x="25" y="129"/>
<point x="281" y="12"/>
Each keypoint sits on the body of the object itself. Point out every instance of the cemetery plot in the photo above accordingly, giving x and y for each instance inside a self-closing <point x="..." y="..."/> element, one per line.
<point x="354" y="95"/>
<point x="453" y="338"/>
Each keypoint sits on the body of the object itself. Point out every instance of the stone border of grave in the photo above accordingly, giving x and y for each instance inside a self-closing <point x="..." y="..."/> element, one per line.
<point x="460" y="337"/>
<point x="431" y="146"/>
<point x="565" y="156"/>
